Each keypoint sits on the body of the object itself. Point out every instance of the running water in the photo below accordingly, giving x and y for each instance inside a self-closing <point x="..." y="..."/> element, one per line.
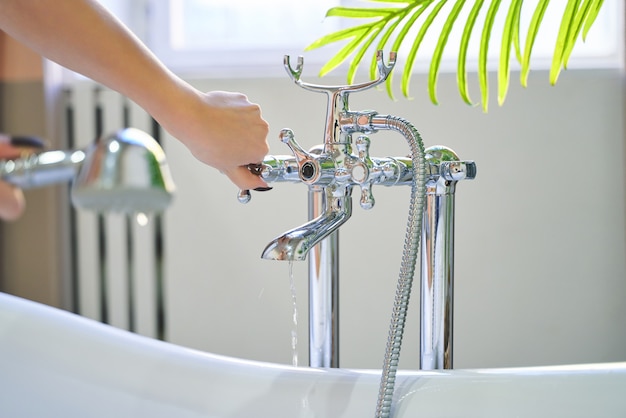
<point x="294" y="330"/>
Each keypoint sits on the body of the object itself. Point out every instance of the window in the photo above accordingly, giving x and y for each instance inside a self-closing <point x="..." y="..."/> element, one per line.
<point x="235" y="37"/>
<point x="243" y="38"/>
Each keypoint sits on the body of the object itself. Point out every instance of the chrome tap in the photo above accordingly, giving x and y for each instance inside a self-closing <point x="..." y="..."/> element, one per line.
<point x="331" y="171"/>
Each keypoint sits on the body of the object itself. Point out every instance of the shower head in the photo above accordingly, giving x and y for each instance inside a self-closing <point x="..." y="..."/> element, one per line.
<point x="123" y="172"/>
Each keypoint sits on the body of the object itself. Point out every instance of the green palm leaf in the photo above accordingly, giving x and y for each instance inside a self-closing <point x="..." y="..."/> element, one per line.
<point x="443" y="40"/>
<point x="533" y="29"/>
<point x="338" y="36"/>
<point x="516" y="30"/>
<point x="562" y="39"/>
<point x="394" y="21"/>
<point x="359" y="12"/>
<point x="400" y="39"/>
<point x="508" y="37"/>
<point x="461" y="72"/>
<point x="381" y="45"/>
<point x="595" y="9"/>
<point x="410" y="60"/>
<point x="344" y="53"/>
<point x="354" y="65"/>
<point x="483" y="74"/>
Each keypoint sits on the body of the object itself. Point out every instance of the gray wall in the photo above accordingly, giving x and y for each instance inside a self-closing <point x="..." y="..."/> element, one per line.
<point x="540" y="244"/>
<point x="33" y="250"/>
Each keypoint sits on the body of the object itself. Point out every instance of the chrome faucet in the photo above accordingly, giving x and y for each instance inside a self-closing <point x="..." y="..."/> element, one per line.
<point x="334" y="212"/>
<point x="125" y="171"/>
<point x="331" y="171"/>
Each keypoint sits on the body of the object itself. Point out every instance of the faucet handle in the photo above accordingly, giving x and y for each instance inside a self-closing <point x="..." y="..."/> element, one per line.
<point x="313" y="167"/>
<point x="364" y="172"/>
<point x="244" y="196"/>
<point x="259" y="169"/>
<point x="367" y="198"/>
<point x="458" y="170"/>
<point x="446" y="164"/>
<point x="306" y="161"/>
<point x="287" y="137"/>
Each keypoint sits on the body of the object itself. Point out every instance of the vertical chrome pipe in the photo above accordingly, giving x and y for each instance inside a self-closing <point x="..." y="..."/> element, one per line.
<point x="437" y="271"/>
<point x="323" y="291"/>
<point x="437" y="278"/>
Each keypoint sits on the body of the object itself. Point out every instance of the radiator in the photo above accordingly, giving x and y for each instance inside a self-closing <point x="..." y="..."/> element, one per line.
<point x="117" y="261"/>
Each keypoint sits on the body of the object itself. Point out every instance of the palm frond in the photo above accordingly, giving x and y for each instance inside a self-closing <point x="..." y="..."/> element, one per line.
<point x="433" y="73"/>
<point x="410" y="59"/>
<point x="595" y="9"/>
<point x="483" y="74"/>
<point x="461" y="72"/>
<point x="562" y="39"/>
<point x="508" y="37"/>
<point x="400" y="40"/>
<point x="533" y="29"/>
<point x="391" y="22"/>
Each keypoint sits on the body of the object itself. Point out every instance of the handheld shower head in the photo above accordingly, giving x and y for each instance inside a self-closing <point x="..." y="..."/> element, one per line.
<point x="124" y="172"/>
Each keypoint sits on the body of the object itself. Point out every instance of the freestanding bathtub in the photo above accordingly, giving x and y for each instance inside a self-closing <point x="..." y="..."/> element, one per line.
<point x="57" y="364"/>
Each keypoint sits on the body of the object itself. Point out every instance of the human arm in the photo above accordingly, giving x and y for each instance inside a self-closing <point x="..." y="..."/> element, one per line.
<point x="222" y="129"/>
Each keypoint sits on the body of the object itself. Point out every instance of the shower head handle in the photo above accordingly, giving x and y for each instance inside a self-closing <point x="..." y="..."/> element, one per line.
<point x="124" y="172"/>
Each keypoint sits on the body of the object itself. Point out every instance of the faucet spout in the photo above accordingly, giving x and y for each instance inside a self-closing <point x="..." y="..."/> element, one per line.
<point x="294" y="245"/>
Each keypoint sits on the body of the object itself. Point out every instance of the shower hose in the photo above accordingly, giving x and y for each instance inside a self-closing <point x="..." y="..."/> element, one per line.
<point x="409" y="258"/>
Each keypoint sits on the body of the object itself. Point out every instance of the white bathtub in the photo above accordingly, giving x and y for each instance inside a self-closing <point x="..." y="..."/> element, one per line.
<point x="56" y="364"/>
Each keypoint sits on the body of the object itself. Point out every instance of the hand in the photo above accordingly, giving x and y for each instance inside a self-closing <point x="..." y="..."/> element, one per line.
<point x="224" y="130"/>
<point x="12" y="202"/>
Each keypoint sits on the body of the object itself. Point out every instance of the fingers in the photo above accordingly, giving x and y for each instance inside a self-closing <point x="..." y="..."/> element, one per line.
<point x="9" y="152"/>
<point x="245" y="180"/>
<point x="12" y="147"/>
<point x="12" y="202"/>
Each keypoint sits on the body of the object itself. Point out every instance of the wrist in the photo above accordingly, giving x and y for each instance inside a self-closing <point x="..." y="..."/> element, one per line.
<point x="170" y="104"/>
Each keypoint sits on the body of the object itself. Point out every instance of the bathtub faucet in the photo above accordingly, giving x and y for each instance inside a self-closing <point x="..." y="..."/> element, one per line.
<point x="331" y="171"/>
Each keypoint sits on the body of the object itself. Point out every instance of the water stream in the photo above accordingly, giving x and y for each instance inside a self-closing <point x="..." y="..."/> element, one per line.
<point x="294" y="329"/>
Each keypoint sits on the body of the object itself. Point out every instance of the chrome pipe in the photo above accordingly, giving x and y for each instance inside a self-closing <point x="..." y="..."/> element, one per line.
<point x="437" y="267"/>
<point x="323" y="292"/>
<point x="437" y="279"/>
<point x="42" y="169"/>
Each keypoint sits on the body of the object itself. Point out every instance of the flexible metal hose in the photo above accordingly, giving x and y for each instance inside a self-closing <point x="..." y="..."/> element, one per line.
<point x="409" y="258"/>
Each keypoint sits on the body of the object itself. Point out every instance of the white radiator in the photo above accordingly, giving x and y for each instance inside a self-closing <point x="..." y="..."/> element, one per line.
<point x="117" y="261"/>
